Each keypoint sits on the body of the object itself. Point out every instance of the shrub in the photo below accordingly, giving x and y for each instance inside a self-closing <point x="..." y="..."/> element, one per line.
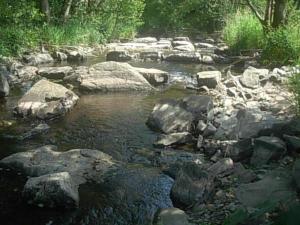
<point x="243" y="31"/>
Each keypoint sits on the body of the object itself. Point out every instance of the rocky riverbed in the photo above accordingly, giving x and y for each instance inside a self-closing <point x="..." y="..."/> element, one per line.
<point x="168" y="131"/>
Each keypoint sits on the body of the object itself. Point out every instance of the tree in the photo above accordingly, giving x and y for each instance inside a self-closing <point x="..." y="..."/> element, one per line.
<point x="45" y="8"/>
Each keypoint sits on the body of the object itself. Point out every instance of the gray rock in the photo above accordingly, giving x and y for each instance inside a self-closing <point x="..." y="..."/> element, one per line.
<point x="55" y="72"/>
<point x="199" y="141"/>
<point x="38" y="58"/>
<point x="293" y="143"/>
<point x="205" y="45"/>
<point x="241" y="150"/>
<point x="174" y="139"/>
<point x="242" y="174"/>
<point x="296" y="173"/>
<point x="221" y="167"/>
<point x="207" y="59"/>
<point x="252" y="76"/>
<point x="200" y="106"/>
<point x="187" y="57"/>
<point x="4" y="86"/>
<point x="52" y="190"/>
<point x="189" y="47"/>
<point x="25" y="73"/>
<point x="145" y="40"/>
<point x="119" y="56"/>
<point x="81" y="164"/>
<point x="210" y="130"/>
<point x="169" y="117"/>
<point x="275" y="187"/>
<point x="38" y="130"/>
<point x="151" y="55"/>
<point x="113" y="76"/>
<point x="60" y="56"/>
<point x="46" y="100"/>
<point x="201" y="126"/>
<point x="154" y="76"/>
<point x="76" y="55"/>
<point x="266" y="149"/>
<point x="181" y="39"/>
<point x="172" y="216"/>
<point x="209" y="78"/>
<point x="192" y="185"/>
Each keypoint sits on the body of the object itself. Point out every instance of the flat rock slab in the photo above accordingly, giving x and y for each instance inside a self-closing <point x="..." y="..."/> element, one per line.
<point x="113" y="76"/>
<point x="81" y="164"/>
<point x="55" y="72"/>
<point x="52" y="190"/>
<point x="46" y="100"/>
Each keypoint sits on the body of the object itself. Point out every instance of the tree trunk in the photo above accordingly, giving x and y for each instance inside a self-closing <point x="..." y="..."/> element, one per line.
<point x="279" y="13"/>
<point x="45" y="8"/>
<point x="67" y="10"/>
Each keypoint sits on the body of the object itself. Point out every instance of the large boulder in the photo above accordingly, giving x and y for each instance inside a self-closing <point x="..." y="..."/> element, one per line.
<point x="267" y="148"/>
<point x="154" y="76"/>
<point x="252" y="76"/>
<point x="169" y="117"/>
<point x="38" y="58"/>
<point x="172" y="216"/>
<point x="209" y="79"/>
<point x="113" y="76"/>
<point x="186" y="57"/>
<point x="4" y="86"/>
<point x="52" y="191"/>
<point x="82" y="164"/>
<point x="55" y="72"/>
<point x="276" y="187"/>
<point x="46" y="100"/>
<point x="192" y="185"/>
<point x="241" y="150"/>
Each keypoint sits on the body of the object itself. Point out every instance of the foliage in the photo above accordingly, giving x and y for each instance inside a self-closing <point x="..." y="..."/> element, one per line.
<point x="294" y="85"/>
<point x="243" y="31"/>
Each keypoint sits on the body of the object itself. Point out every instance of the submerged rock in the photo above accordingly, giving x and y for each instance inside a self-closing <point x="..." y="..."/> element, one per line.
<point x="113" y="76"/>
<point x="4" y="86"/>
<point x="46" y="100"/>
<point x="52" y="190"/>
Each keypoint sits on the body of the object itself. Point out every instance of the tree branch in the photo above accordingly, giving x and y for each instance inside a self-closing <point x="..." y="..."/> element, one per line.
<point x="254" y="10"/>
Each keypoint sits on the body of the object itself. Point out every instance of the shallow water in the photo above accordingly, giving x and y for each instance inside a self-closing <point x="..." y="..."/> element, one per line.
<point x="111" y="122"/>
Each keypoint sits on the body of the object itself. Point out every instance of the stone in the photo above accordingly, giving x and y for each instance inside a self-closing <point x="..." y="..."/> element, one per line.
<point x="276" y="187"/>
<point x="192" y="185"/>
<point x="210" y="130"/>
<point x="201" y="126"/>
<point x="231" y="92"/>
<point x="38" y="130"/>
<point x="204" y="45"/>
<point x="112" y="76"/>
<point x="241" y="150"/>
<point x="242" y="174"/>
<point x="169" y="117"/>
<point x="4" y="86"/>
<point x="46" y="100"/>
<point x="25" y="73"/>
<point x="185" y="48"/>
<point x="209" y="78"/>
<point x="174" y="139"/>
<point x="181" y="39"/>
<point x="221" y="167"/>
<point x="145" y="40"/>
<point x="56" y="190"/>
<point x="186" y="57"/>
<point x="201" y="106"/>
<point x="252" y="76"/>
<point x="199" y="141"/>
<point x="119" y="56"/>
<point x="172" y="216"/>
<point x="296" y="173"/>
<point x="82" y="164"/>
<point x="293" y="143"/>
<point x="60" y="56"/>
<point x="267" y="148"/>
<point x="206" y="59"/>
<point x="151" y="55"/>
<point x="55" y="72"/>
<point x="76" y="56"/>
<point x="154" y="76"/>
<point x="38" y="58"/>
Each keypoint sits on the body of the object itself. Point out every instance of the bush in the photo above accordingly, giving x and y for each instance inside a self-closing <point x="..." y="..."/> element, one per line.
<point x="281" y="46"/>
<point x="294" y="85"/>
<point x="243" y="31"/>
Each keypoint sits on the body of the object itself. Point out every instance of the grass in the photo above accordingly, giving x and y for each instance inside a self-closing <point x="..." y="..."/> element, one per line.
<point x="243" y="31"/>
